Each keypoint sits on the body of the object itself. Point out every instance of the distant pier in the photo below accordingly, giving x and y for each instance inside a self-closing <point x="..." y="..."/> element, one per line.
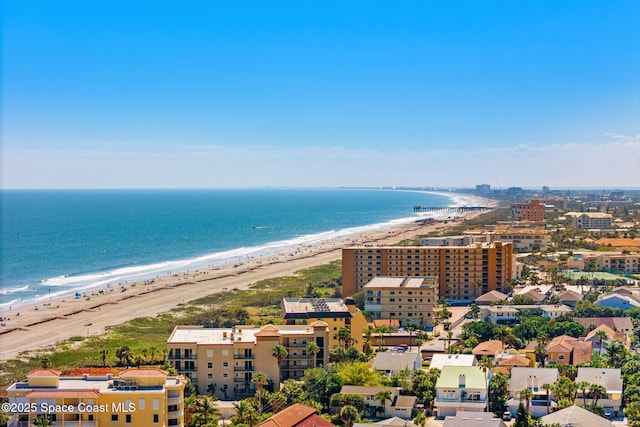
<point x="450" y="209"/>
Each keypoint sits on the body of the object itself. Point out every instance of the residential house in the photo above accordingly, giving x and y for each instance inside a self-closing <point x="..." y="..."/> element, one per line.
<point x="491" y="297"/>
<point x="335" y="312"/>
<point x="619" y="324"/>
<point x="389" y="422"/>
<point x="404" y="407"/>
<point x="533" y="379"/>
<point x="508" y="313"/>
<point x="610" y="379"/>
<point x="611" y="336"/>
<point x="409" y="300"/>
<point x="570" y="298"/>
<point x="369" y="395"/>
<point x="461" y="388"/>
<point x="487" y="348"/>
<point x="567" y="350"/>
<point x="391" y="363"/>
<point x="615" y="300"/>
<point x="537" y="296"/>
<point x="440" y="360"/>
<point x="475" y="419"/>
<point x="296" y="415"/>
<point x="575" y="416"/>
<point x="140" y="397"/>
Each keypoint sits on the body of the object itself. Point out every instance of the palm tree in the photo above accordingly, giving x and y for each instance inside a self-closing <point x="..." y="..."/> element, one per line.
<point x="313" y="349"/>
<point x="486" y="364"/>
<point x="583" y="386"/>
<point x="601" y="335"/>
<point x="280" y="353"/>
<point x="278" y="401"/>
<point x="381" y="330"/>
<point x="547" y="387"/>
<point x="344" y="337"/>
<point x="349" y="414"/>
<point x="597" y="392"/>
<point x="260" y="380"/>
<point x="504" y="334"/>
<point x="368" y="333"/>
<point x="541" y="353"/>
<point x="206" y="413"/>
<point x="42" y="421"/>
<point x="125" y="354"/>
<point x="526" y="395"/>
<point x="246" y="413"/>
<point x="614" y="352"/>
<point x="211" y="388"/>
<point x="383" y="397"/>
<point x="45" y="362"/>
<point x="420" y="419"/>
<point x="153" y="350"/>
<point x="449" y="339"/>
<point x="190" y="408"/>
<point x="103" y="355"/>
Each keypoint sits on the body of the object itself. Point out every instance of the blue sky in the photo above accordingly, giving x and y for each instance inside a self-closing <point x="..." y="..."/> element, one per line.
<point x="115" y="94"/>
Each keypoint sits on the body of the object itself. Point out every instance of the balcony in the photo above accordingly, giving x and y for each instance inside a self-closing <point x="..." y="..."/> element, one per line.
<point x="174" y="415"/>
<point x="182" y="357"/>
<point x="242" y="357"/>
<point x="173" y="401"/>
<point x="243" y="369"/>
<point x="373" y="307"/>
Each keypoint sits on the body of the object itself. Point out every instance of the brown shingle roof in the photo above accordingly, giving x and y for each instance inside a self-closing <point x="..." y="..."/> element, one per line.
<point x="487" y="348"/>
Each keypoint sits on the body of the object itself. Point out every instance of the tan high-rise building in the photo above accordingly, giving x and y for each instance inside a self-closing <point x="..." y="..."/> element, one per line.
<point x="225" y="359"/>
<point x="464" y="272"/>
<point x="134" y="397"/>
<point x="410" y="300"/>
<point x="336" y="313"/>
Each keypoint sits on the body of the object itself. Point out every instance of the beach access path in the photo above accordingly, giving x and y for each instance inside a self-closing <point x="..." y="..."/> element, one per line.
<point x="68" y="317"/>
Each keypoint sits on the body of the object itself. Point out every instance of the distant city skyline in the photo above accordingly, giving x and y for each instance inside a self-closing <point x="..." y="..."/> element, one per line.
<point x="292" y="94"/>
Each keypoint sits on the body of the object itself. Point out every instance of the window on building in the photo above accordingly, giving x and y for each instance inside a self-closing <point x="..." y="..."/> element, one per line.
<point x="209" y="376"/>
<point x="225" y="375"/>
<point x="225" y="352"/>
<point x="141" y="404"/>
<point x="114" y="418"/>
<point x="225" y="364"/>
<point x="209" y="353"/>
<point x="156" y="418"/>
<point x="155" y="404"/>
<point x="209" y="365"/>
<point x="127" y="418"/>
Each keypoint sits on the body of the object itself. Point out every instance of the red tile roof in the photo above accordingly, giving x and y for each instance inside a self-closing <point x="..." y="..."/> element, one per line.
<point x="43" y="373"/>
<point x="297" y="415"/>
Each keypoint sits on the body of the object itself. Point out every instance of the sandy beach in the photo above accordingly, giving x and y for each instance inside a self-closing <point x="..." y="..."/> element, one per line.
<point x="29" y="328"/>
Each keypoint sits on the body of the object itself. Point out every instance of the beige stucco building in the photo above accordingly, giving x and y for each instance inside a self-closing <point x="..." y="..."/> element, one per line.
<point x="410" y="300"/>
<point x="134" y="397"/>
<point x="335" y="312"/>
<point x="225" y="359"/>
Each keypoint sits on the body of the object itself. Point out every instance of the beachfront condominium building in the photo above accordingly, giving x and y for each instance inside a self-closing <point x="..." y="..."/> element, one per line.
<point x="338" y="314"/>
<point x="135" y="397"/>
<point x="532" y="211"/>
<point x="409" y="300"/>
<point x="524" y="239"/>
<point x="464" y="272"/>
<point x="222" y="361"/>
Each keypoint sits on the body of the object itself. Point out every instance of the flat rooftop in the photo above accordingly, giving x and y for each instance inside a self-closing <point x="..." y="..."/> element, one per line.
<point x="239" y="334"/>
<point x="400" y="282"/>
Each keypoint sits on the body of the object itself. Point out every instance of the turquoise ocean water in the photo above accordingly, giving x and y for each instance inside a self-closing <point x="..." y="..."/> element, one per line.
<point x="55" y="243"/>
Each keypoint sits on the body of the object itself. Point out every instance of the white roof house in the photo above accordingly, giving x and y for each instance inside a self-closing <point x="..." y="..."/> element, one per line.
<point x="440" y="360"/>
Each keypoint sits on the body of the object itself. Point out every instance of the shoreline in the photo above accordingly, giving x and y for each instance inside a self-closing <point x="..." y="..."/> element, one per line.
<point x="88" y="284"/>
<point x="63" y="318"/>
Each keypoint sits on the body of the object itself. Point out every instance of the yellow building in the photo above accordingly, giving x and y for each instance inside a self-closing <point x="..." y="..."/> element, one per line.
<point x="464" y="272"/>
<point x="410" y="300"/>
<point x="135" y="397"/>
<point x="223" y="360"/>
<point x="333" y="311"/>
